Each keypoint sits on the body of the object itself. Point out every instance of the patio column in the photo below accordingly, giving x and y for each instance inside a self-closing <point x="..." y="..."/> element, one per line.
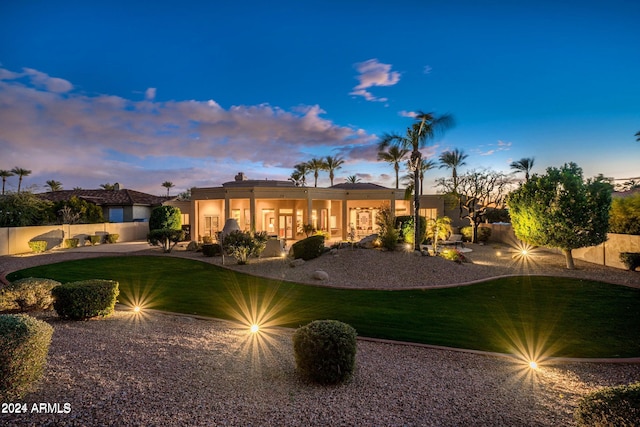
<point x="252" y="211"/>
<point x="227" y="207"/>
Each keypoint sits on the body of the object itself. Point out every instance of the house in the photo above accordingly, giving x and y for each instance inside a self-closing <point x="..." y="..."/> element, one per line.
<point x="281" y="209"/>
<point x="118" y="205"/>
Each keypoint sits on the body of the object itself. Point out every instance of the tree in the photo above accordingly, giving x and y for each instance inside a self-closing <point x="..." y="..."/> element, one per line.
<point x="624" y="217"/>
<point x="5" y="174"/>
<point x="638" y="136"/>
<point x="561" y="210"/>
<point x="165" y="227"/>
<point x="408" y="178"/>
<point x="168" y="185"/>
<point x="523" y="165"/>
<point x="299" y="174"/>
<point x="426" y="127"/>
<point x="108" y="186"/>
<point x="77" y="210"/>
<point x="392" y="154"/>
<point x="24" y="209"/>
<point x="438" y="229"/>
<point x="54" y="185"/>
<point x="333" y="164"/>
<point x="477" y="192"/>
<point x="353" y="179"/>
<point x="453" y="160"/>
<point x="21" y="174"/>
<point x="316" y="165"/>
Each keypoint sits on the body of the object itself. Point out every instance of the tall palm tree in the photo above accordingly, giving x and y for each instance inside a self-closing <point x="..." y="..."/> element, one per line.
<point x="299" y="174"/>
<point x="392" y="154"/>
<point x="168" y="185"/>
<point x="523" y="165"/>
<point x="426" y="127"/>
<point x="353" y="179"/>
<point x="453" y="160"/>
<point x="425" y="165"/>
<point x="54" y="185"/>
<point x="638" y="136"/>
<point x="21" y="174"/>
<point x="333" y="163"/>
<point x="317" y="165"/>
<point x="5" y="174"/>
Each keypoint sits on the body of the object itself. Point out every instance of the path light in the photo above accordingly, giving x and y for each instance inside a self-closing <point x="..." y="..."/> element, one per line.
<point x="137" y="309"/>
<point x="254" y="329"/>
<point x="533" y="364"/>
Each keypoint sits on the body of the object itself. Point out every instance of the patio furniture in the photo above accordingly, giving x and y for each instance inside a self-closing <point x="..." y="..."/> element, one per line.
<point x="453" y="240"/>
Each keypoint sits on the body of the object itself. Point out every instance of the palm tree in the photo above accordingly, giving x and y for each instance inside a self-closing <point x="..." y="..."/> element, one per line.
<point x="638" y="136"/>
<point x="316" y="165"/>
<point x="391" y="154"/>
<point x="168" y="185"/>
<point x="5" y="174"/>
<point x="523" y="165"/>
<point x="21" y="174"/>
<point x="299" y="175"/>
<point x="54" y="185"/>
<point x="426" y="127"/>
<point x="425" y="165"/>
<point x="333" y="163"/>
<point x="453" y="160"/>
<point x="353" y="179"/>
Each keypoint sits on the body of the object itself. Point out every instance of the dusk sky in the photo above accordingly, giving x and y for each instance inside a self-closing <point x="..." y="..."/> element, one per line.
<point x="95" y="92"/>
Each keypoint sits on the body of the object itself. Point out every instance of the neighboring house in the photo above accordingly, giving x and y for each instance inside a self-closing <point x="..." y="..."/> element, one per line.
<point x="120" y="205"/>
<point x="281" y="209"/>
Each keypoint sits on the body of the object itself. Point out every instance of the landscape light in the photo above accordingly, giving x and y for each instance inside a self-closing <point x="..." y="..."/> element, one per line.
<point x="533" y="364"/>
<point x="137" y="309"/>
<point x="254" y="328"/>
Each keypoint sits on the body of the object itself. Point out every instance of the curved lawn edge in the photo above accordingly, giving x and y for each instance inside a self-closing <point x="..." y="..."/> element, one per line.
<point x="513" y="357"/>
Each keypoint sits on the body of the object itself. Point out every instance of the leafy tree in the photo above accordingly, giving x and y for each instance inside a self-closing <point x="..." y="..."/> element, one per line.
<point x="624" y="217"/>
<point x="165" y="227"/>
<point x="5" y="174"/>
<point x="168" y="185"/>
<point x="333" y="164"/>
<point x="561" y="210"/>
<point x="453" y="160"/>
<point x="108" y="186"/>
<point x="523" y="165"/>
<point x="21" y="174"/>
<point x="54" y="185"/>
<point x="24" y="209"/>
<point x="393" y="155"/>
<point x="425" y="128"/>
<point x="316" y="165"/>
<point x="77" y="210"/>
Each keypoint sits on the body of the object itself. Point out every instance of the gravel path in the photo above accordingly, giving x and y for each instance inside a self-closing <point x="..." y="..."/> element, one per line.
<point x="171" y="370"/>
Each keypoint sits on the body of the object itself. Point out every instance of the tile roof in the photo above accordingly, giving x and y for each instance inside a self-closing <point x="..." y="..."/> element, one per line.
<point x="123" y="197"/>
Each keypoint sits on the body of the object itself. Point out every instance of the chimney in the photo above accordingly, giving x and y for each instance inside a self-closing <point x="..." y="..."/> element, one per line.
<point x="241" y="177"/>
<point x="117" y="186"/>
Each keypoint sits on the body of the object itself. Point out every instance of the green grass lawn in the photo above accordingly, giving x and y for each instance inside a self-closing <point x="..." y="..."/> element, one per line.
<point x="532" y="315"/>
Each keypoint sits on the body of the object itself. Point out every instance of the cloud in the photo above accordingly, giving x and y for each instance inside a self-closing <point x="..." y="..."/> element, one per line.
<point x="51" y="129"/>
<point x="501" y="146"/>
<point x="411" y="114"/>
<point x="150" y="94"/>
<point x="373" y="73"/>
<point x="427" y="69"/>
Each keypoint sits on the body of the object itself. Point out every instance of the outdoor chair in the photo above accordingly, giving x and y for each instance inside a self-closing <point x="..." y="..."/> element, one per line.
<point x="454" y="240"/>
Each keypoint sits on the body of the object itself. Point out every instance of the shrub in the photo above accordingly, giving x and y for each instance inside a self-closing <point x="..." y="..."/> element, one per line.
<point x="325" y="351"/>
<point x="624" y="215"/>
<point x="483" y="234"/>
<point x="27" y="294"/>
<point x="243" y="244"/>
<point x="112" y="238"/>
<point x="386" y="223"/>
<point x="610" y="406"/>
<point x="166" y="237"/>
<point x="631" y="260"/>
<point x="95" y="239"/>
<point x="207" y="239"/>
<point x="389" y="239"/>
<point x="405" y="224"/>
<point x="211" y="249"/>
<point x="71" y="243"/>
<point x="38" y="246"/>
<point x="85" y="299"/>
<point x="453" y="255"/>
<point x="467" y="233"/>
<point x="165" y="217"/>
<point x="24" y="344"/>
<point x="309" y="248"/>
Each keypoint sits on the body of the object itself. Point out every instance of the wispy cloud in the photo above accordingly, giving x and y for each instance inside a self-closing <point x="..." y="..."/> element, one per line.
<point x="48" y="127"/>
<point x="490" y="149"/>
<point x="411" y="114"/>
<point x="373" y="73"/>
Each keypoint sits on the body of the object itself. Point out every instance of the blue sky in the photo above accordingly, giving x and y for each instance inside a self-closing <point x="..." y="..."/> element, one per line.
<point x="194" y="92"/>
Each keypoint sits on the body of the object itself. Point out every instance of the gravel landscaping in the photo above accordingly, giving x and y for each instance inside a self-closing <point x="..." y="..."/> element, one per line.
<point x="162" y="369"/>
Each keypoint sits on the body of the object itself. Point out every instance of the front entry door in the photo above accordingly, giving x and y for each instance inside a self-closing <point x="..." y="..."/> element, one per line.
<point x="286" y="227"/>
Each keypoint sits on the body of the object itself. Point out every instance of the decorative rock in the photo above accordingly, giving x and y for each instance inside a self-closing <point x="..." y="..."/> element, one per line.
<point x="333" y="252"/>
<point x="192" y="246"/>
<point x="296" y="262"/>
<point x="368" y="242"/>
<point x="320" y="275"/>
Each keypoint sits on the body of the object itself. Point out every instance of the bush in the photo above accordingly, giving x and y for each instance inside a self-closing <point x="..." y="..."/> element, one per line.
<point x="631" y="260"/>
<point x="467" y="233"/>
<point x="453" y="255"/>
<point x="610" y="406"/>
<point x="483" y="234"/>
<point x="309" y="248"/>
<point x="24" y="344"/>
<point x="112" y="238"/>
<point x="71" y="243"/>
<point x="211" y="249"/>
<point x="27" y="294"/>
<point x="167" y="238"/>
<point x="624" y="215"/>
<point x="95" y="239"/>
<point x="242" y="244"/>
<point x="165" y="217"/>
<point x="325" y="351"/>
<point x="38" y="246"/>
<point x="405" y="224"/>
<point x="389" y="239"/>
<point x="85" y="299"/>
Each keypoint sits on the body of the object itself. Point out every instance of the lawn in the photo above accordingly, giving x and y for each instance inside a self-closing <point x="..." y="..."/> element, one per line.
<point x="533" y="316"/>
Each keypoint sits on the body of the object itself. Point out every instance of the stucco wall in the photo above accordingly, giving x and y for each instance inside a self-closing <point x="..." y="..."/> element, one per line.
<point x="15" y="240"/>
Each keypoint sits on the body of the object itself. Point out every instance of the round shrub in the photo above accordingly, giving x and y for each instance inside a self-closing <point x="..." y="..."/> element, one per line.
<point x="325" y="351"/>
<point x="85" y="299"/>
<point x="211" y="249"/>
<point x="27" y="294"/>
<point x="309" y="248"/>
<point x="24" y="345"/>
<point x="610" y="406"/>
<point x="38" y="246"/>
<point x="112" y="238"/>
<point x="631" y="260"/>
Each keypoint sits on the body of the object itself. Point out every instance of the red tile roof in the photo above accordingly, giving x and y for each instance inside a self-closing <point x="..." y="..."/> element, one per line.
<point x="123" y="197"/>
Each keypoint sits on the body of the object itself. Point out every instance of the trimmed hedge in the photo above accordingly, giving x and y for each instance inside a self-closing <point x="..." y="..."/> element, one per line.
<point x="71" y="243"/>
<point x="325" y="351"/>
<point x="309" y="248"/>
<point x="27" y="294"/>
<point x="610" y="406"/>
<point x="24" y="345"/>
<point x="95" y="239"/>
<point x="631" y="260"/>
<point x="112" y="238"/>
<point x="85" y="299"/>
<point x="211" y="249"/>
<point x="38" y="246"/>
